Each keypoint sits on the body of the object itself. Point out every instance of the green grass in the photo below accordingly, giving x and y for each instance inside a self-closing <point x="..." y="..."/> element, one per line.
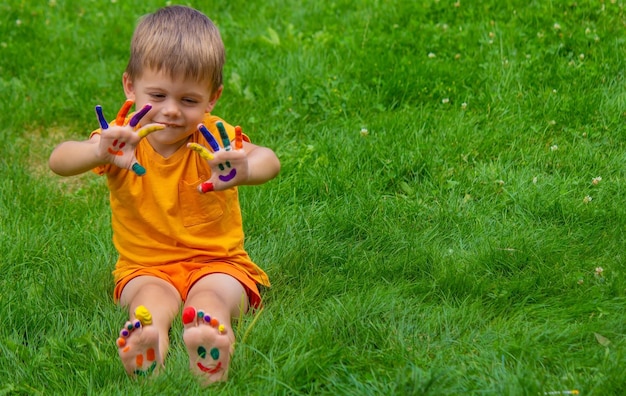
<point x="429" y="232"/>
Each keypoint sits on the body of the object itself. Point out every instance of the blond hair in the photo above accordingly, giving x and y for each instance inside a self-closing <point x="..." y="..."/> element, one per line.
<point x="179" y="41"/>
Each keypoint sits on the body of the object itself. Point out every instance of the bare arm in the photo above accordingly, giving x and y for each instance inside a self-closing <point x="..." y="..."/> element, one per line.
<point x="263" y="164"/>
<point x="75" y="157"/>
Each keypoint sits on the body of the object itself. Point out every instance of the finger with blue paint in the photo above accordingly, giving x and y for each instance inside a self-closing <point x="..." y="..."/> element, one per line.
<point x="101" y="120"/>
<point x="215" y="146"/>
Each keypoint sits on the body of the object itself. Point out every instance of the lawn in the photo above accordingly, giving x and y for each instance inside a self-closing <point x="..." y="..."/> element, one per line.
<point x="449" y="216"/>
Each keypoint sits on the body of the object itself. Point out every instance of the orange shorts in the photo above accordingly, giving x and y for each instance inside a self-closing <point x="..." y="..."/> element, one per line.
<point x="184" y="275"/>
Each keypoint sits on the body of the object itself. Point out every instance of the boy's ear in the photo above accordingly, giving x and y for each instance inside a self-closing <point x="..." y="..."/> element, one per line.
<point x="214" y="99"/>
<point x="129" y="87"/>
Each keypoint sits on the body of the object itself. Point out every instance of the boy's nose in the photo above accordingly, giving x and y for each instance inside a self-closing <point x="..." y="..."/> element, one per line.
<point x="170" y="109"/>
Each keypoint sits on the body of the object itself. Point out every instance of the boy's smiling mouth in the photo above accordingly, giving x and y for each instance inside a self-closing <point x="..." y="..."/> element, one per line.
<point x="170" y="125"/>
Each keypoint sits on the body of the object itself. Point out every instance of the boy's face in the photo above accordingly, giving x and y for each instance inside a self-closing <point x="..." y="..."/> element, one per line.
<point x="178" y="104"/>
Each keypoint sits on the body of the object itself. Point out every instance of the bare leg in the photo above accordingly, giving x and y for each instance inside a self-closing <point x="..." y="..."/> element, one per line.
<point x="144" y="349"/>
<point x="210" y="342"/>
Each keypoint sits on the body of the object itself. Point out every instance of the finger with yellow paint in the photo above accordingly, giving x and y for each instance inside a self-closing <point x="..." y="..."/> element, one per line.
<point x="145" y="131"/>
<point x="201" y="150"/>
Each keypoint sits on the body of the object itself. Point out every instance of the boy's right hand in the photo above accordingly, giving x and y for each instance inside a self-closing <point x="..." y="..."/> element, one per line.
<point x="118" y="142"/>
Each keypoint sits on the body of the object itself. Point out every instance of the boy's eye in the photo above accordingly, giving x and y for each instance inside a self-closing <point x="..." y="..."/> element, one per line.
<point x="157" y="95"/>
<point x="190" y="101"/>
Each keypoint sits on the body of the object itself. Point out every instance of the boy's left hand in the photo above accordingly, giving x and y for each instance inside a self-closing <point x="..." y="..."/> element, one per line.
<point x="229" y="166"/>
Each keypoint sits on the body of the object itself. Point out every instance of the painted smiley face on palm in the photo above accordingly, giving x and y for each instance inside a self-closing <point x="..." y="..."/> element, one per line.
<point x="230" y="175"/>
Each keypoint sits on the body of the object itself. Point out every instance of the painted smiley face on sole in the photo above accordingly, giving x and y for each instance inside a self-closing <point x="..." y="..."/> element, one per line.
<point x="215" y="354"/>
<point x="230" y="175"/>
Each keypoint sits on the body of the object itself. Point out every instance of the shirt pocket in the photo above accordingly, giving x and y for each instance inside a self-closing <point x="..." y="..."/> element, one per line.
<point x="197" y="208"/>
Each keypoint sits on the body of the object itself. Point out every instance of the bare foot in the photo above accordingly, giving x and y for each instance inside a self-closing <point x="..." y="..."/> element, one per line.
<point x="209" y="344"/>
<point x="138" y="345"/>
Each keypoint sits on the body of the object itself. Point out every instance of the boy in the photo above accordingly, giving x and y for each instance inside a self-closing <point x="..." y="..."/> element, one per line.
<point x="175" y="211"/>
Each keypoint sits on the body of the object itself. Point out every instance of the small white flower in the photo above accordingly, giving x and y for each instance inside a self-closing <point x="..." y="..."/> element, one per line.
<point x="535" y="180"/>
<point x="599" y="271"/>
<point x="587" y="199"/>
<point x="556" y="26"/>
<point x="432" y="55"/>
<point x="581" y="56"/>
<point x="445" y="100"/>
<point x="463" y="105"/>
<point x="596" y="180"/>
<point x="18" y="22"/>
<point x="554" y="147"/>
<point x="364" y="132"/>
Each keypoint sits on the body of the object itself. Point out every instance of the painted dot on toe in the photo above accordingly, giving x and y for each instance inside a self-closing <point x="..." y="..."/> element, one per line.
<point x="124" y="333"/>
<point x="121" y="342"/>
<point x="214" y="322"/>
<point x="207" y="319"/>
<point x="130" y="326"/>
<point x="143" y="315"/>
<point x="200" y="314"/>
<point x="221" y="329"/>
<point x="188" y="314"/>
<point x="215" y="353"/>
<point x="202" y="352"/>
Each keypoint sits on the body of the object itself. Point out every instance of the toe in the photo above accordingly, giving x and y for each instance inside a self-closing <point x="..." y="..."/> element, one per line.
<point x="189" y="316"/>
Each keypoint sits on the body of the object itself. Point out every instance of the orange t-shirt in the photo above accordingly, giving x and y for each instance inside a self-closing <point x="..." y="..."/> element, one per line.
<point x="161" y="218"/>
